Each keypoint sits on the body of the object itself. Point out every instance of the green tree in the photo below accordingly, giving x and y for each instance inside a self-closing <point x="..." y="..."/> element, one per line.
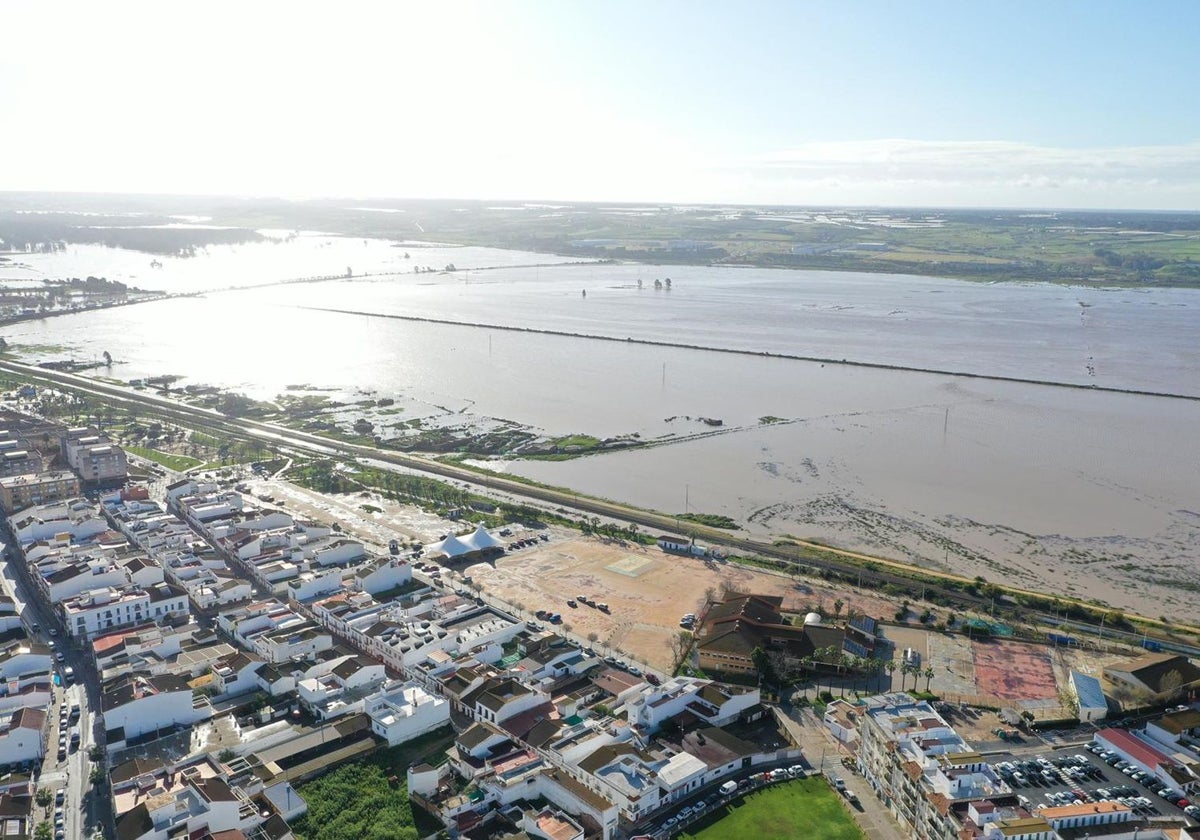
<point x="44" y="797"/>
<point x="764" y="666"/>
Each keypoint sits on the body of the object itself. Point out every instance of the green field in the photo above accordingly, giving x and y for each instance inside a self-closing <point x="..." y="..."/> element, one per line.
<point x="1096" y="247"/>
<point x="801" y="808"/>
<point x="179" y="463"/>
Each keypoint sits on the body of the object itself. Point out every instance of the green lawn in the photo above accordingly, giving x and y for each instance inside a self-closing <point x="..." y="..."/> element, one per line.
<point x="800" y="808"/>
<point x="179" y="463"/>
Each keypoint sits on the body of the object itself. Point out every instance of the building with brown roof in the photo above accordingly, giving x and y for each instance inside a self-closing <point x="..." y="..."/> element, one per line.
<point x="1159" y="675"/>
<point x="732" y="629"/>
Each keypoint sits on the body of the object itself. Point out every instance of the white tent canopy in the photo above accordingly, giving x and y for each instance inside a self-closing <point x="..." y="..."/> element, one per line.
<point x="482" y="539"/>
<point x="454" y="546"/>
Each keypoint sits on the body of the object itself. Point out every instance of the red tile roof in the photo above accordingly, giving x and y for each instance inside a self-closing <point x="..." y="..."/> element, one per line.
<point x="1135" y="747"/>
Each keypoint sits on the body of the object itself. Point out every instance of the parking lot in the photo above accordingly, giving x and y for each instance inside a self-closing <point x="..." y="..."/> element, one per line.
<point x="1076" y="774"/>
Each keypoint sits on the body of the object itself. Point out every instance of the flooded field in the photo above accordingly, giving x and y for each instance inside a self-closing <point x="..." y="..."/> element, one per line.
<point x="1067" y="488"/>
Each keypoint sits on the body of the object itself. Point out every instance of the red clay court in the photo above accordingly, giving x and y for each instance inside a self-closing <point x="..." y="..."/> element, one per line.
<point x="1014" y="671"/>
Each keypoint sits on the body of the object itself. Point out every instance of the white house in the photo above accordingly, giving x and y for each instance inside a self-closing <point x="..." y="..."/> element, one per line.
<point x="24" y="675"/>
<point x="497" y="700"/>
<point x="382" y="575"/>
<point x="22" y="736"/>
<point x="314" y="584"/>
<point x="10" y="619"/>
<point x="190" y="806"/>
<point x="236" y="674"/>
<point x="92" y="573"/>
<point x="143" y="571"/>
<point x="133" y="705"/>
<point x="343" y="689"/>
<point x="76" y="517"/>
<point x="649" y="706"/>
<point x="400" y="712"/>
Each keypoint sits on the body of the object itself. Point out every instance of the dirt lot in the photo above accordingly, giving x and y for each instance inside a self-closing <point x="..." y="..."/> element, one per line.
<point x="647" y="590"/>
<point x="996" y="672"/>
<point x="1014" y="670"/>
<point x="375" y="529"/>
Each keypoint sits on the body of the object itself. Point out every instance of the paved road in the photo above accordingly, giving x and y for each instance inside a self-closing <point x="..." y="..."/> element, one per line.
<point x="80" y="813"/>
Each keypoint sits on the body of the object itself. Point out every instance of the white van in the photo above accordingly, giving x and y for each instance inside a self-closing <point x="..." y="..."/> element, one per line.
<point x="728" y="788"/>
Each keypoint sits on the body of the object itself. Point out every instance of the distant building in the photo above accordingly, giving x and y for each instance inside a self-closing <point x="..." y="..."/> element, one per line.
<point x="1159" y="676"/>
<point x="18" y="457"/>
<point x="21" y="491"/>
<point x="99" y="462"/>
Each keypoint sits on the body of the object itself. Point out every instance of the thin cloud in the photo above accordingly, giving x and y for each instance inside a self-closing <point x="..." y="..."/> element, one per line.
<point x="982" y="172"/>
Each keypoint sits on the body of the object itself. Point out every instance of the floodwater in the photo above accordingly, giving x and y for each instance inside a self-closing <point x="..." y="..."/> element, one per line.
<point x="284" y="256"/>
<point x="1071" y="489"/>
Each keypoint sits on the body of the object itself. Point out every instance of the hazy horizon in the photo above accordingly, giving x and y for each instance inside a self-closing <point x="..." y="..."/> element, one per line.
<point x="938" y="105"/>
<point x="558" y="201"/>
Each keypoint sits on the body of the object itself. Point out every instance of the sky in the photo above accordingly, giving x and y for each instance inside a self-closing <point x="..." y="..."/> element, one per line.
<point x="1023" y="104"/>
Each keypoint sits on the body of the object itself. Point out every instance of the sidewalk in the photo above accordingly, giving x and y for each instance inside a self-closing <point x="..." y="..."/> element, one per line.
<point x="825" y="755"/>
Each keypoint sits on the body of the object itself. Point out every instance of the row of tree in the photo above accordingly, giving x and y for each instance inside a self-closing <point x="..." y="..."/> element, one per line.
<point x="776" y="670"/>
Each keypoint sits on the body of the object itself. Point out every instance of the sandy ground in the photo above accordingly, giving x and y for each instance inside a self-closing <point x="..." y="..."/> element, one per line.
<point x="376" y="530"/>
<point x="647" y="591"/>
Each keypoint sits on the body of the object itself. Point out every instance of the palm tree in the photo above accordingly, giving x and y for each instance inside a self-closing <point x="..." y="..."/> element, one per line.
<point x="877" y="666"/>
<point x="832" y="657"/>
<point x="805" y="663"/>
<point x="928" y="676"/>
<point x="890" y="667"/>
<point x="866" y="667"/>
